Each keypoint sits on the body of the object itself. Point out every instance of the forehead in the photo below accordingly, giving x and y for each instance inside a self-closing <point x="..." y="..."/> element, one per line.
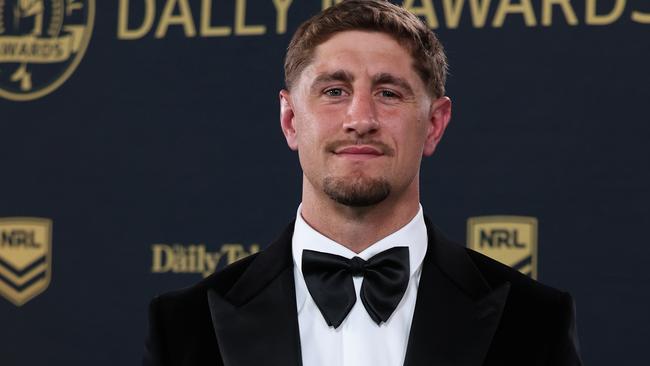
<point x="361" y="52"/>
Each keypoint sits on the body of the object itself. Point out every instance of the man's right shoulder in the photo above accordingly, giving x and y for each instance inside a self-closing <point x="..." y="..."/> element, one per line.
<point x="270" y="261"/>
<point x="180" y="326"/>
<point x="196" y="295"/>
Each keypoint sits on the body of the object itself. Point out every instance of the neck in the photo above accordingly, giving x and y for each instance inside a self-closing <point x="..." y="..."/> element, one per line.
<point x="357" y="228"/>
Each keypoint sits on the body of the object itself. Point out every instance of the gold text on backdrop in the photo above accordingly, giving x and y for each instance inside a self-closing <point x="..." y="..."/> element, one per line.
<point x="206" y="18"/>
<point x="180" y="13"/>
<point x="195" y="258"/>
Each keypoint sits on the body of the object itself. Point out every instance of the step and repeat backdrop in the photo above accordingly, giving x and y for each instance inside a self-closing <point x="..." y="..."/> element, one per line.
<point x="140" y="150"/>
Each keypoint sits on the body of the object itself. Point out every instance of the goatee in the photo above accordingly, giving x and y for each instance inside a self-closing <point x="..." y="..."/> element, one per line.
<point x="357" y="191"/>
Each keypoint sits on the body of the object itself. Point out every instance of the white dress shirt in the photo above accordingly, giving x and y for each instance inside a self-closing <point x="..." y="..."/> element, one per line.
<point x="358" y="341"/>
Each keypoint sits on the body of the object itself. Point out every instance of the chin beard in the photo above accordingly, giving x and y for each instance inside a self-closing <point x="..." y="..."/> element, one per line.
<point x="356" y="192"/>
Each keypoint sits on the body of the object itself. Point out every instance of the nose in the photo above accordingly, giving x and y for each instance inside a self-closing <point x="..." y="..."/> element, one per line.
<point x="361" y="117"/>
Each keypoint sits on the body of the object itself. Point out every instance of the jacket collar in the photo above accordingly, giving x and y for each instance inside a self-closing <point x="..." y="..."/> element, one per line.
<point x="456" y="312"/>
<point x="255" y="321"/>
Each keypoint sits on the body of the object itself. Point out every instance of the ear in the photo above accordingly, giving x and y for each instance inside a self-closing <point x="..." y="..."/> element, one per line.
<point x="439" y="116"/>
<point x="287" y="119"/>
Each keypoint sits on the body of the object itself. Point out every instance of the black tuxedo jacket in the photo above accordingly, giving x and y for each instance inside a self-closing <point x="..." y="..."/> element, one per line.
<point x="470" y="310"/>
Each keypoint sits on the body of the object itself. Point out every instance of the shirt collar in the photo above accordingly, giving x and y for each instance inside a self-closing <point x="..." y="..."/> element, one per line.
<point x="412" y="235"/>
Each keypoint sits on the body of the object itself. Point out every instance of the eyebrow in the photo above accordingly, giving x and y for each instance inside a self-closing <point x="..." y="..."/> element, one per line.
<point x="338" y="75"/>
<point x="386" y="78"/>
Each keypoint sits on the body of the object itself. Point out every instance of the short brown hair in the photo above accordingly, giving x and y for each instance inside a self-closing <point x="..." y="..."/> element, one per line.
<point x="428" y="54"/>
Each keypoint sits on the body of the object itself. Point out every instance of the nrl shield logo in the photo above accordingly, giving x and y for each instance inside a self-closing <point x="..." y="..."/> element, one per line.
<point x="41" y="44"/>
<point x="25" y="257"/>
<point x="511" y="240"/>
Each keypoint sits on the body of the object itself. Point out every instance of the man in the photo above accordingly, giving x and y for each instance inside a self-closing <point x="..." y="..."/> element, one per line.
<point x="361" y="277"/>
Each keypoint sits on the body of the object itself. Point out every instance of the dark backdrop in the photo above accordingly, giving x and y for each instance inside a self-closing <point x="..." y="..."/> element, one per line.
<point x="176" y="141"/>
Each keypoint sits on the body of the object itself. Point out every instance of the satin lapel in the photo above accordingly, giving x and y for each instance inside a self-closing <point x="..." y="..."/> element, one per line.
<point x="255" y="321"/>
<point x="456" y="312"/>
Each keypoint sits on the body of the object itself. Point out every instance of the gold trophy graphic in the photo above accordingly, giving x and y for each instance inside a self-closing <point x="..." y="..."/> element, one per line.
<point x="28" y="9"/>
<point x="41" y="44"/>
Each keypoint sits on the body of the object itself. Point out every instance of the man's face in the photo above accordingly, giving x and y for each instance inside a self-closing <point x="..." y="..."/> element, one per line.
<point x="361" y="120"/>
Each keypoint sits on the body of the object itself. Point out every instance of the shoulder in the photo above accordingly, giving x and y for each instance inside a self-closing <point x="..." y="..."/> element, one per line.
<point x="195" y="296"/>
<point x="537" y="319"/>
<point x="180" y="321"/>
<point x="260" y="267"/>
<point x="479" y="271"/>
<point x="521" y="286"/>
<point x="531" y="306"/>
<point x="529" y="303"/>
<point x="527" y="296"/>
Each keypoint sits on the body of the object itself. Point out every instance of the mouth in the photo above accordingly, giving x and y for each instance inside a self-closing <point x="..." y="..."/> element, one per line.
<point x="358" y="152"/>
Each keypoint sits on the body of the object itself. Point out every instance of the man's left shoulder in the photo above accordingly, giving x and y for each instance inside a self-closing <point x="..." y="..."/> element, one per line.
<point x="461" y="262"/>
<point x="522" y="288"/>
<point x="533" y="310"/>
<point x="537" y="322"/>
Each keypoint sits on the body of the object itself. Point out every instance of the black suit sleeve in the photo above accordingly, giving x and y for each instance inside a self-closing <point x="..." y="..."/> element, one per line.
<point x="153" y="347"/>
<point x="566" y="350"/>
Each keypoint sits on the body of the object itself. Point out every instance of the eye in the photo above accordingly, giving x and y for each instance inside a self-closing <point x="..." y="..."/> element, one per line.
<point x="334" y="92"/>
<point x="388" y="94"/>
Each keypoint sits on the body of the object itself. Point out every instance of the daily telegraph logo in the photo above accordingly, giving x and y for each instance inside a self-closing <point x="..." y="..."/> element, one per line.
<point x="25" y="258"/>
<point x="511" y="240"/>
<point x="41" y="44"/>
<point x="196" y="258"/>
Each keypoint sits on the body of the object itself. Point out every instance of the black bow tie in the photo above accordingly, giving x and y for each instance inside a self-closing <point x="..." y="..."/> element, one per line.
<point x="329" y="281"/>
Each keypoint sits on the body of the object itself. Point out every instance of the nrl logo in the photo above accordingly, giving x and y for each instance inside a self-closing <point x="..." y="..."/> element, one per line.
<point x="25" y="258"/>
<point x="511" y="240"/>
<point x="41" y="44"/>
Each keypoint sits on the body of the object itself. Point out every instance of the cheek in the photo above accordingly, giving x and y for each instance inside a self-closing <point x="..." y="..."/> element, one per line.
<point x="407" y="128"/>
<point x="309" y="138"/>
<point x="314" y="130"/>
<point x="305" y="134"/>
<point x="410" y="141"/>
